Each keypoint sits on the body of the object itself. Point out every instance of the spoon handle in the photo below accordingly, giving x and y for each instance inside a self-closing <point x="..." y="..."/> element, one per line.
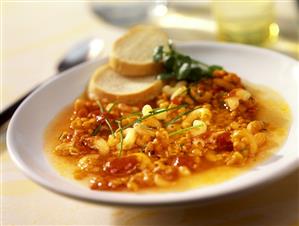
<point x="7" y="113"/>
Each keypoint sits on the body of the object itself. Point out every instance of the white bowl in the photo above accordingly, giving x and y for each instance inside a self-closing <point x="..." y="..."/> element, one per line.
<point x="27" y="126"/>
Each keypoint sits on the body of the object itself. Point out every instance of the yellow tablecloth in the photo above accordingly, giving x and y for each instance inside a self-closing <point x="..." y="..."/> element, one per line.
<point x="35" y="36"/>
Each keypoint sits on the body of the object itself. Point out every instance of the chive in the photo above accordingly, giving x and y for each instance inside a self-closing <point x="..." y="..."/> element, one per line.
<point x="121" y="139"/>
<point x="179" y="116"/>
<point x="154" y="112"/>
<point x="161" y="110"/>
<point x="96" y="130"/>
<point x="180" y="131"/>
<point x="110" y="127"/>
<point x="112" y="106"/>
<point x="146" y="127"/>
<point x="131" y="114"/>
<point x="106" y="120"/>
<point x="100" y="106"/>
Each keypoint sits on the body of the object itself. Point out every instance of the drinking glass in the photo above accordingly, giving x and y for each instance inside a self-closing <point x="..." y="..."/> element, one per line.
<point x="244" y="21"/>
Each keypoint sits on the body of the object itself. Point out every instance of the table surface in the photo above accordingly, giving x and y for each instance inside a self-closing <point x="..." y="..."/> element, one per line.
<point x="35" y="36"/>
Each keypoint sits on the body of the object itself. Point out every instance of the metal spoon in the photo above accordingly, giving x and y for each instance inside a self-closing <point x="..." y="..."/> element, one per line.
<point x="81" y="52"/>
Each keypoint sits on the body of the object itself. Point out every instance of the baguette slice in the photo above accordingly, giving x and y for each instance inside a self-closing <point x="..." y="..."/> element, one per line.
<point x="106" y="83"/>
<point x="132" y="54"/>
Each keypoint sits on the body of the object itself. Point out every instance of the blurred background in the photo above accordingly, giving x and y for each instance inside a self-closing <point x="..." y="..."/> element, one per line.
<point x="37" y="35"/>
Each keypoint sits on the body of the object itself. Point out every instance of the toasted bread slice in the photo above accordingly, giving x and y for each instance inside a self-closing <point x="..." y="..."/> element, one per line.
<point x="106" y="83"/>
<point x="132" y="54"/>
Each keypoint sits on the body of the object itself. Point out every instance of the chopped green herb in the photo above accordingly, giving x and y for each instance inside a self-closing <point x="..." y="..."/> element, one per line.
<point x="96" y="130"/>
<point x="179" y="116"/>
<point x="154" y="112"/>
<point x="112" y="106"/>
<point x="121" y="139"/>
<point x="131" y="114"/>
<point x="158" y="53"/>
<point x="100" y="106"/>
<point x="180" y="66"/>
<point x="110" y="127"/>
<point x="180" y="131"/>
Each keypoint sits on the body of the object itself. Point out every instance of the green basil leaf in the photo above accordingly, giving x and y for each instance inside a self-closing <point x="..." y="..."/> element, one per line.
<point x="180" y="66"/>
<point x="215" y="67"/>
<point x="165" y="76"/>
<point x="195" y="74"/>
<point x="158" y="53"/>
<point x="184" y="71"/>
<point x="169" y="62"/>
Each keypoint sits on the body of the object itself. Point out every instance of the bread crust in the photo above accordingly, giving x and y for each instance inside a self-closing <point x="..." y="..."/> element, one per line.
<point x="96" y="92"/>
<point x="137" y="68"/>
<point x="134" y="70"/>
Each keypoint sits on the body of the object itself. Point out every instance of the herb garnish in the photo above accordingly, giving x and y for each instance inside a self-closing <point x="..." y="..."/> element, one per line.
<point x="102" y="111"/>
<point x="96" y="130"/>
<point x="180" y="66"/>
<point x="110" y="127"/>
<point x="136" y="113"/>
<point x="154" y="112"/>
<point x="112" y="106"/>
<point x="179" y="116"/>
<point x="121" y="138"/>
<point x="100" y="106"/>
<point x="180" y="131"/>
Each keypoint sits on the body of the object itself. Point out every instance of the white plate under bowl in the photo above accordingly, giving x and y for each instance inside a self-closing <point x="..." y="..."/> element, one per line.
<point x="27" y="126"/>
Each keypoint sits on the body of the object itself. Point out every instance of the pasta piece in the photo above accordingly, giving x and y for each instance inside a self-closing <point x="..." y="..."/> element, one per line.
<point x="66" y="149"/>
<point x="260" y="139"/>
<point x="235" y="158"/>
<point x="232" y="103"/>
<point x="212" y="156"/>
<point x="146" y="110"/>
<point x="184" y="171"/>
<point x="242" y="94"/>
<point x="144" y="160"/>
<point x="244" y="140"/>
<point x="90" y="163"/>
<point x="181" y="91"/>
<point x="255" y="126"/>
<point x="151" y="122"/>
<point x="129" y="139"/>
<point x="200" y="113"/>
<point x="143" y="130"/>
<point x="169" y="90"/>
<point x="238" y="94"/>
<point x="113" y="140"/>
<point x="101" y="145"/>
<point x="201" y="128"/>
